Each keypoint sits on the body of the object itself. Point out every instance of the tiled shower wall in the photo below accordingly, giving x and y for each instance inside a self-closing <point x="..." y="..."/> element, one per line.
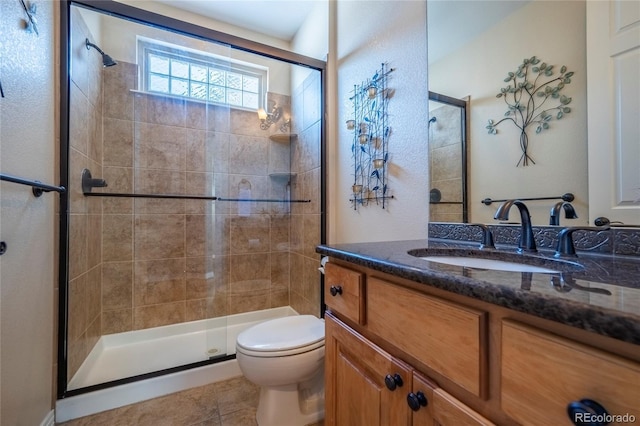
<point x="85" y="223"/>
<point x="305" y="218"/>
<point x="445" y="147"/>
<point x="140" y="263"/>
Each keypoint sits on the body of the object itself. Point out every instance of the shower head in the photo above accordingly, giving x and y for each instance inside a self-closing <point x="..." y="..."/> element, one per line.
<point x="107" y="61"/>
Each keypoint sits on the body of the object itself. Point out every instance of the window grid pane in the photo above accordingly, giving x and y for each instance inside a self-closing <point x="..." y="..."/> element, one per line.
<point x="181" y="77"/>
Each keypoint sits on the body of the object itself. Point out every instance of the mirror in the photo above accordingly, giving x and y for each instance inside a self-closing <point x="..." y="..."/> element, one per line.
<point x="447" y="159"/>
<point x="472" y="46"/>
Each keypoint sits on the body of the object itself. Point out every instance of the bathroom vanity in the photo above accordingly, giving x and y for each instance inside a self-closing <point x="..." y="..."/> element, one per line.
<point x="414" y="342"/>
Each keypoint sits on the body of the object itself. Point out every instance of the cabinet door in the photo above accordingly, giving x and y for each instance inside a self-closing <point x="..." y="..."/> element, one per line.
<point x="422" y="393"/>
<point x="448" y="411"/>
<point x="543" y="373"/>
<point x="356" y="372"/>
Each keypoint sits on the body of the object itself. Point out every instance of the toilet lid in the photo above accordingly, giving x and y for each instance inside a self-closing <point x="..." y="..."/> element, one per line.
<point x="282" y="334"/>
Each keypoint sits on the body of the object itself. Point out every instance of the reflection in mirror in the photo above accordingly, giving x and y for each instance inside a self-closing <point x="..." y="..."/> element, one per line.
<point x="447" y="159"/>
<point x="472" y="47"/>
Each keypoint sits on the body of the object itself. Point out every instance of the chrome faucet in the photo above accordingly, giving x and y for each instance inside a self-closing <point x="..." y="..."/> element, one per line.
<point x="569" y="212"/>
<point x="527" y="240"/>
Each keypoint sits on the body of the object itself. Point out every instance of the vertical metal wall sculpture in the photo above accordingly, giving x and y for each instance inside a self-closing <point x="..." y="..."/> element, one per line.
<point x="371" y="132"/>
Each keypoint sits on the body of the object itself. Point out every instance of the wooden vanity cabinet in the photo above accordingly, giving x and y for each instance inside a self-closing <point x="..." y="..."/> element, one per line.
<point x="363" y="384"/>
<point x="542" y="373"/>
<point x="513" y="368"/>
<point x="366" y="386"/>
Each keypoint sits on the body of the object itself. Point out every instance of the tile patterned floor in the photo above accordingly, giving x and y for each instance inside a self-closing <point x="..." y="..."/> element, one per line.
<point x="229" y="403"/>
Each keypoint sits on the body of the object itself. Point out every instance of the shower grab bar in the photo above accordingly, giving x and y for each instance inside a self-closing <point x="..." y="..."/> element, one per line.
<point x="568" y="197"/>
<point x="37" y="187"/>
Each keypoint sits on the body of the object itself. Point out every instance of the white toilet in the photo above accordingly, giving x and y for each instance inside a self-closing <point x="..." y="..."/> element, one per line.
<point x="285" y="357"/>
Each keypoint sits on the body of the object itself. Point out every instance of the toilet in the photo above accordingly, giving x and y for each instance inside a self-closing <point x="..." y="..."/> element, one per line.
<point x="285" y="357"/>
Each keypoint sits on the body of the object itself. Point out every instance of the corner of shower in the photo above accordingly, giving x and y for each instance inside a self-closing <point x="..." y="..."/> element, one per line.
<point x="192" y="223"/>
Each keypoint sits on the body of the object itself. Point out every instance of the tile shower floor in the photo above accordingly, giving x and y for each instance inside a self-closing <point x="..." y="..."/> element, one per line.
<point x="229" y="403"/>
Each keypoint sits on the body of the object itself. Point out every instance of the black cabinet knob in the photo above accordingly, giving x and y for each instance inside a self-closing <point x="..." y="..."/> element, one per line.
<point x="393" y="381"/>
<point x="587" y="412"/>
<point x="335" y="290"/>
<point x="416" y="400"/>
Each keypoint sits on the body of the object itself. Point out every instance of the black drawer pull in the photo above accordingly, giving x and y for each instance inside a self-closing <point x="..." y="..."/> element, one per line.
<point x="587" y="412"/>
<point x="393" y="382"/>
<point x="416" y="400"/>
<point x="335" y="290"/>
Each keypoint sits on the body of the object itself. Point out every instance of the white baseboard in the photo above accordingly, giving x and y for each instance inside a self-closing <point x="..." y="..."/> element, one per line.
<point x="49" y="420"/>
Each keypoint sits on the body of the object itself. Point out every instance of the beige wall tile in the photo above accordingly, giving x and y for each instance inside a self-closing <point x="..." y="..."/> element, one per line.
<point x="120" y="180"/>
<point x="160" y="147"/>
<point x="280" y="271"/>
<point x="157" y="315"/>
<point x="250" y="234"/>
<point x="94" y="293"/>
<point x="117" y="285"/>
<point x="311" y="238"/>
<point x="159" y="236"/>
<point x="77" y="162"/>
<point x="117" y="321"/>
<point x="118" y="142"/>
<point x="77" y="245"/>
<point x="117" y="238"/>
<point x="159" y="281"/>
<point x="199" y="235"/>
<point x="94" y="240"/>
<point x="79" y="112"/>
<point x="160" y="110"/>
<point x="118" y="99"/>
<point x="248" y="155"/>
<point x="248" y="267"/>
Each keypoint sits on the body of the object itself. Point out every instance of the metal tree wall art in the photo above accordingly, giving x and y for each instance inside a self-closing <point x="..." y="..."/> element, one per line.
<point x="533" y="99"/>
<point x="371" y="131"/>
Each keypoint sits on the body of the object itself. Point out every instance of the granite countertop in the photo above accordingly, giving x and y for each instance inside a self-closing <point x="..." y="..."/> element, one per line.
<point x="601" y="294"/>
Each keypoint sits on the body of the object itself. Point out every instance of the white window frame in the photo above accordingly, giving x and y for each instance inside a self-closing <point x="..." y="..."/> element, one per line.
<point x="146" y="47"/>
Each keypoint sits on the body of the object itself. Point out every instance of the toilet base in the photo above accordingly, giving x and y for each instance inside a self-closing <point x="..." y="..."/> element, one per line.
<point x="292" y="405"/>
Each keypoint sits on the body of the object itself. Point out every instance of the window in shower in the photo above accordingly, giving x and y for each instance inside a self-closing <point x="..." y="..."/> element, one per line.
<point x="172" y="70"/>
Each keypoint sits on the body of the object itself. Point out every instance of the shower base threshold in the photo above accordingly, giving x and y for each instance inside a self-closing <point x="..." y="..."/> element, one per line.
<point x="123" y="355"/>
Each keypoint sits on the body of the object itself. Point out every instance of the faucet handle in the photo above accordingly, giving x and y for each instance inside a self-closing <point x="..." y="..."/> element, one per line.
<point x="487" y="236"/>
<point x="565" y="245"/>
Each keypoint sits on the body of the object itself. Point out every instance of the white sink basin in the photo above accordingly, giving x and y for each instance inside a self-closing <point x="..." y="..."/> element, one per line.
<point x="482" y="263"/>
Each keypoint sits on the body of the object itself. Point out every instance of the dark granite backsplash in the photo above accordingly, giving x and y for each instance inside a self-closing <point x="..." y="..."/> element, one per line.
<point x="616" y="241"/>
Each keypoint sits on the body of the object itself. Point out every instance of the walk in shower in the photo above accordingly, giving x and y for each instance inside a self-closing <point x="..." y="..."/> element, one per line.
<point x="194" y="168"/>
<point x="448" y="158"/>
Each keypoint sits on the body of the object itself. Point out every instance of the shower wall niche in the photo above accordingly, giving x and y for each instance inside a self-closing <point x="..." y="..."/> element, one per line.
<point x="135" y="263"/>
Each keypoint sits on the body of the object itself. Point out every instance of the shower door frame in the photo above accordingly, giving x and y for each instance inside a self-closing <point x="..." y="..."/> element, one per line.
<point x="464" y="137"/>
<point x="144" y="17"/>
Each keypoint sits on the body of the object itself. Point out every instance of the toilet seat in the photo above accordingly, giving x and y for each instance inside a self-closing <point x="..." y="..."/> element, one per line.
<point x="282" y="337"/>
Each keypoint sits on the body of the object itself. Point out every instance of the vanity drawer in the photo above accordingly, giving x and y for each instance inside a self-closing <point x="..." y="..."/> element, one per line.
<point x="449" y="338"/>
<point x="344" y="292"/>
<point x="542" y="373"/>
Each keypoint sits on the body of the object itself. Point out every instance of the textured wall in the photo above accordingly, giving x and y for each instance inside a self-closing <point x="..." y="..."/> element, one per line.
<point x="368" y="34"/>
<point x="28" y="147"/>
